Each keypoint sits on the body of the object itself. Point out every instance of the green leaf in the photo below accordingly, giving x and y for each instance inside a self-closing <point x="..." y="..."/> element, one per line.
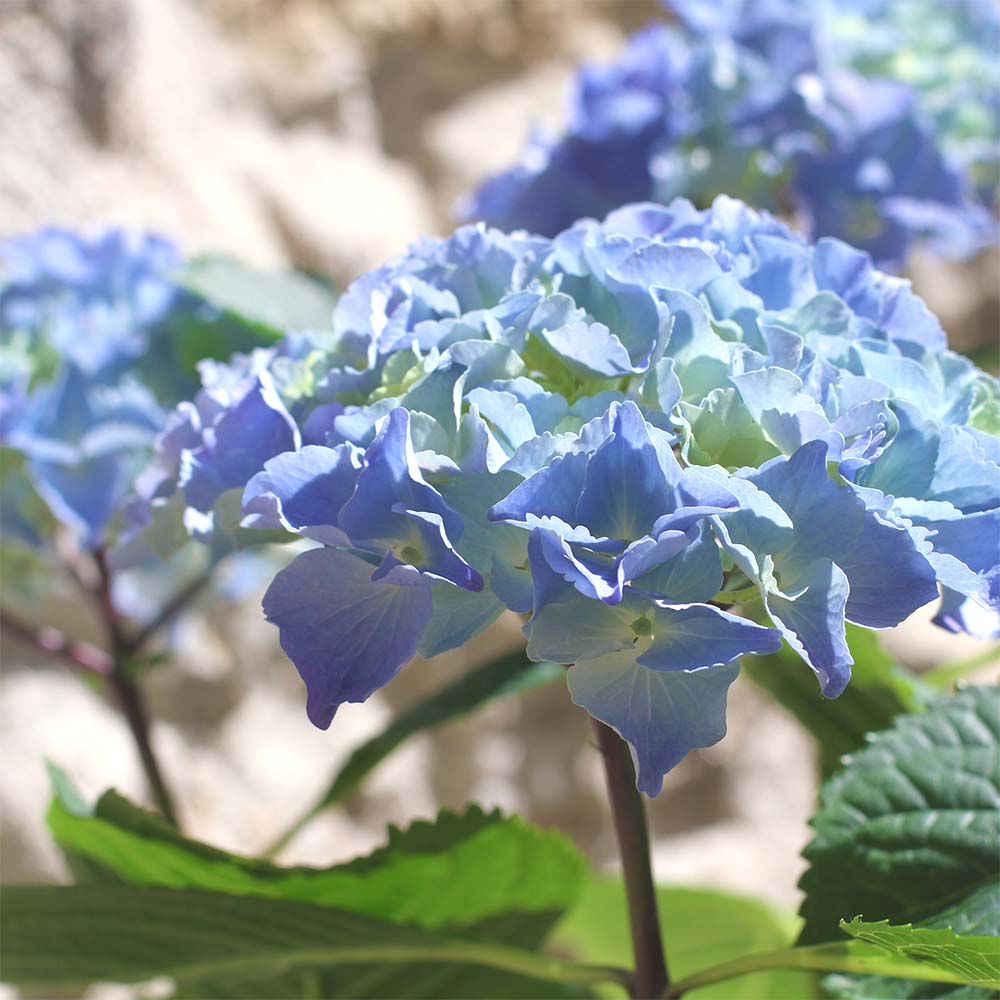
<point x="862" y="957"/>
<point x="978" y="914"/>
<point x="910" y="825"/>
<point x="509" y="675"/>
<point x="879" y="691"/>
<point x="973" y="958"/>
<point x="76" y="935"/>
<point x="269" y="300"/>
<point x="478" y="873"/>
<point x="701" y="928"/>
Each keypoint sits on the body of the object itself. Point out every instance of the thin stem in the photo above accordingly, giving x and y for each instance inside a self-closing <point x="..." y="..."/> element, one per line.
<point x="79" y="655"/>
<point x="629" y="814"/>
<point x="127" y="691"/>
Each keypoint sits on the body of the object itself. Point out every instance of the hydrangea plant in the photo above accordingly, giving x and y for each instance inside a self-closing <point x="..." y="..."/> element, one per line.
<point x="667" y="440"/>
<point x="874" y="122"/>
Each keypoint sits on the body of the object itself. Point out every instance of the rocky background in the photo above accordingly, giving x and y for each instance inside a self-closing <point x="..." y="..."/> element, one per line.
<point x="326" y="134"/>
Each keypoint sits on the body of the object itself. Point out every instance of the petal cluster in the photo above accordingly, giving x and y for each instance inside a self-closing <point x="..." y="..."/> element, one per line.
<point x="623" y="433"/>
<point x="877" y="123"/>
<point x="81" y="373"/>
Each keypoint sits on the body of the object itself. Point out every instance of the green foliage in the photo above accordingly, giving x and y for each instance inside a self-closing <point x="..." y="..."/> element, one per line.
<point x="974" y="958"/>
<point x="75" y="935"/>
<point x="238" y="308"/>
<point x="509" y="675"/>
<point x="910" y="825"/>
<point x="701" y="928"/>
<point x="879" y="691"/>
<point x="271" y="301"/>
<point x="457" y="872"/>
<point x="478" y="877"/>
<point x="978" y="914"/>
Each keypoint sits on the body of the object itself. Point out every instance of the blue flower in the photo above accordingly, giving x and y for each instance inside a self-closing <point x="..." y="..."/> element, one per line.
<point x="94" y="301"/>
<point x="612" y="433"/>
<point x="606" y="518"/>
<point x="836" y="117"/>
<point x="78" y="315"/>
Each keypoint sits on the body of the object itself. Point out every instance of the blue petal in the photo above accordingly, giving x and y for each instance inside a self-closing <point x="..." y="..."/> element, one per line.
<point x="552" y="492"/>
<point x="890" y="576"/>
<point x="624" y="489"/>
<point x="693" y="575"/>
<point x="303" y="491"/>
<point x="566" y="625"/>
<point x="663" y="715"/>
<point x="428" y="553"/>
<point x="457" y="616"/>
<point x="256" y="429"/>
<point x="346" y="635"/>
<point x="810" y="616"/>
<point x="390" y="477"/>
<point x="589" y="349"/>
<point x="692" y="636"/>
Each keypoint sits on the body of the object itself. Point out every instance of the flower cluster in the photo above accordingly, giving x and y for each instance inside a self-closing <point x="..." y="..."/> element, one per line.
<point x="856" y="119"/>
<point x="625" y="433"/>
<point x="82" y="378"/>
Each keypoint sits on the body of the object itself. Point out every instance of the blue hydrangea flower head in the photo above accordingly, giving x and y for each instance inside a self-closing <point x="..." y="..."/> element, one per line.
<point x="77" y="314"/>
<point x="874" y="122"/>
<point x="667" y="440"/>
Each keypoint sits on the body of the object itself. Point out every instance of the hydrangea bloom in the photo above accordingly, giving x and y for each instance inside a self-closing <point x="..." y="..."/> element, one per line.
<point x="877" y="123"/>
<point x="622" y="433"/>
<point x="80" y="369"/>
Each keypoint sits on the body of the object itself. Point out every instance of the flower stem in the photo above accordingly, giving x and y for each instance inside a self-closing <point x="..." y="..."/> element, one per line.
<point x="629" y="814"/>
<point x="127" y="691"/>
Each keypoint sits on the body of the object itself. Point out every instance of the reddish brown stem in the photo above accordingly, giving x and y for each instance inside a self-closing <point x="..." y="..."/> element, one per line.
<point x="629" y="814"/>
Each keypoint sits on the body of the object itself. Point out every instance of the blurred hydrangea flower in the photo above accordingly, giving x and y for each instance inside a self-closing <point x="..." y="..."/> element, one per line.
<point x="624" y="433"/>
<point x="874" y="122"/>
<point x="79" y="319"/>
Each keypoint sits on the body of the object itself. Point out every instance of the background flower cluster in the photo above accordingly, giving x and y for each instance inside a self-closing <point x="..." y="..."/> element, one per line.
<point x="875" y="122"/>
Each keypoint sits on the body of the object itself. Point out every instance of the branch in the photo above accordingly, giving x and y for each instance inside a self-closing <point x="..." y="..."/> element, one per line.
<point x="80" y="655"/>
<point x="629" y="814"/>
<point x="127" y="691"/>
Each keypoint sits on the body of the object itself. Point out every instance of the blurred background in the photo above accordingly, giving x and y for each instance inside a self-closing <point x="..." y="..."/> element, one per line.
<point x="326" y="134"/>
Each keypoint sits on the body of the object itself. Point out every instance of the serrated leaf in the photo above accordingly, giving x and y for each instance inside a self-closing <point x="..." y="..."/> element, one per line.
<point x="477" y="873"/>
<point x="974" y="958"/>
<point x="274" y="301"/>
<point x="701" y="928"/>
<point x="509" y="675"/>
<point x="879" y="690"/>
<point x="910" y="825"/>
<point x="76" y="935"/>
<point x="977" y="914"/>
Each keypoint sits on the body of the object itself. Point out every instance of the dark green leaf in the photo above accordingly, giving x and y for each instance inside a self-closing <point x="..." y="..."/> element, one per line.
<point x="513" y="674"/>
<point x="910" y="825"/>
<point x="879" y="691"/>
<point x="76" y="935"/>
<point x="978" y="914"/>
<point x="477" y="873"/>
